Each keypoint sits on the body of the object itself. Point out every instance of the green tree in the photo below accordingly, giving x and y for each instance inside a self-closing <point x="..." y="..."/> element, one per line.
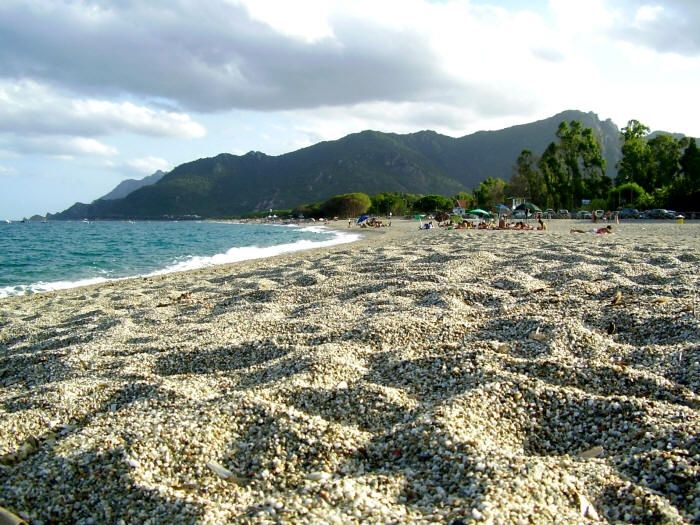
<point x="307" y="211"/>
<point x="685" y="193"/>
<point x="634" y="165"/>
<point x="346" y="205"/>
<point x="690" y="165"/>
<point x="552" y="173"/>
<point x="570" y="169"/>
<point x="664" y="161"/>
<point x="389" y="202"/>
<point x="465" y="196"/>
<point x="527" y="181"/>
<point x="583" y="162"/>
<point x="433" y="203"/>
<point x="627" y="194"/>
<point x="490" y="192"/>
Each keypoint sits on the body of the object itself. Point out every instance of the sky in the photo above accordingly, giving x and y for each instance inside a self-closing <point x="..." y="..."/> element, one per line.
<point x="93" y="92"/>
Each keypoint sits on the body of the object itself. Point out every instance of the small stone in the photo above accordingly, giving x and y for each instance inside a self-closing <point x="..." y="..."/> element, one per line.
<point x="219" y="470"/>
<point x="318" y="476"/>
<point x="593" y="452"/>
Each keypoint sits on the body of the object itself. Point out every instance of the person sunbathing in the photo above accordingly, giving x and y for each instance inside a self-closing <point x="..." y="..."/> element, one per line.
<point x="596" y="231"/>
<point x="520" y="225"/>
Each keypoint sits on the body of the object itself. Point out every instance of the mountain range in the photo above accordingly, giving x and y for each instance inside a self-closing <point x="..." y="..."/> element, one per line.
<point x="425" y="162"/>
<point x="125" y="187"/>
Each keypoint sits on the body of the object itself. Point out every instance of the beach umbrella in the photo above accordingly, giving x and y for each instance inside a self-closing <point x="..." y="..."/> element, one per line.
<point x="532" y="208"/>
<point x="362" y="219"/>
<point x="479" y="212"/>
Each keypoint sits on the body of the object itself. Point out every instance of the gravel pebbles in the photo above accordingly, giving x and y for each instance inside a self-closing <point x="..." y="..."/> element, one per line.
<point x="439" y="376"/>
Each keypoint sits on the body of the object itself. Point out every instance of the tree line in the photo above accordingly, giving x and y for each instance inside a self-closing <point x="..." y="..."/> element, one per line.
<point x="655" y="171"/>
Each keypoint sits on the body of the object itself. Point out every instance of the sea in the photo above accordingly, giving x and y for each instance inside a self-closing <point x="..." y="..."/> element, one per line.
<point x="43" y="256"/>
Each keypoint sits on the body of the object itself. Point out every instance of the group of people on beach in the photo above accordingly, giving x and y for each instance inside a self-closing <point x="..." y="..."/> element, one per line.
<point x="502" y="224"/>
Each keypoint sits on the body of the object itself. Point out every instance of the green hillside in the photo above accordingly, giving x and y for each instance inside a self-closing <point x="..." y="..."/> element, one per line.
<point x="370" y="162"/>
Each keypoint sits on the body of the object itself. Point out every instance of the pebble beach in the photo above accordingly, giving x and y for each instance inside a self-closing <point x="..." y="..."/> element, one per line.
<point x="414" y="376"/>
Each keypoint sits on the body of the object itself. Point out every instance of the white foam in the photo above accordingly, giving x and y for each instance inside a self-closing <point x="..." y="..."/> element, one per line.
<point x="246" y="253"/>
<point x="21" y="289"/>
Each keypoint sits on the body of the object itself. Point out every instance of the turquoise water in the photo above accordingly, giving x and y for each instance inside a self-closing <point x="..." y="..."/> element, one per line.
<point x="37" y="256"/>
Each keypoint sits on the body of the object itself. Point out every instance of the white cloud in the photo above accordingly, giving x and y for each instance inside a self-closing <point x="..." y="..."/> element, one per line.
<point x="147" y="77"/>
<point x="149" y="165"/>
<point x="647" y="13"/>
<point x="6" y="172"/>
<point x="215" y="55"/>
<point x="90" y="146"/>
<point x="30" y="107"/>
<point x="127" y="116"/>
<point x="306" y="20"/>
<point x="65" y="148"/>
<point x="670" y="26"/>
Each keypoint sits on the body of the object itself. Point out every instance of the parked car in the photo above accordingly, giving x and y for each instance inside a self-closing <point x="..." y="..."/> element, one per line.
<point x="659" y="213"/>
<point x="599" y="214"/>
<point x="583" y="214"/>
<point x="563" y="214"/>
<point x="519" y="214"/>
<point x="628" y="213"/>
<point x="549" y="213"/>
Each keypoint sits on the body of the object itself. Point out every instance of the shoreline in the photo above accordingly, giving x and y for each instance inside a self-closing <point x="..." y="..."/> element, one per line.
<point x="411" y="376"/>
<point x="234" y="254"/>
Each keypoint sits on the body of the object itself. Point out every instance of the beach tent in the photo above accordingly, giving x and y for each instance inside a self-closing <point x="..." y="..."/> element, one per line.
<point x="479" y="212"/>
<point x="532" y="208"/>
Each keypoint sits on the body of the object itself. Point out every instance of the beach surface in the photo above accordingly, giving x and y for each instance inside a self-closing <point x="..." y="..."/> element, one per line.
<point x="439" y="376"/>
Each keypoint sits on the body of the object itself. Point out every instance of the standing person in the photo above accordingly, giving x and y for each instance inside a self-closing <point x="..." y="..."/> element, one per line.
<point x="349" y="223"/>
